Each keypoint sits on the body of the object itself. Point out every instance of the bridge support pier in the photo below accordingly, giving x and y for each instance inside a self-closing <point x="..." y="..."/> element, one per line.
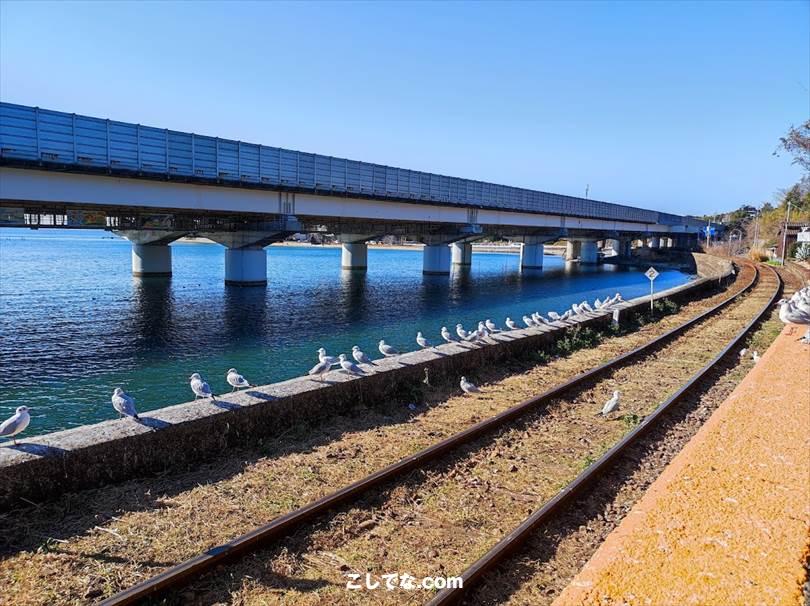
<point x="436" y="259"/>
<point x="245" y="257"/>
<point x="354" y="251"/>
<point x="246" y="266"/>
<point x="461" y="253"/>
<point x="531" y="254"/>
<point x="572" y="250"/>
<point x="588" y="252"/>
<point x="151" y="260"/>
<point x="151" y="253"/>
<point x="354" y="256"/>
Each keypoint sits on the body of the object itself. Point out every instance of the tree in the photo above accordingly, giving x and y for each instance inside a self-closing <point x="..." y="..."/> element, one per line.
<point x="797" y="143"/>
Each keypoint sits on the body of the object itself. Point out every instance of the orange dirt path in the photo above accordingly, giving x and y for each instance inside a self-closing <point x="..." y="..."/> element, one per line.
<point x="728" y="521"/>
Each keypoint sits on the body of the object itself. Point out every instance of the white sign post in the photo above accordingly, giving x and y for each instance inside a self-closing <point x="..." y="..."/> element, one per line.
<point x="651" y="274"/>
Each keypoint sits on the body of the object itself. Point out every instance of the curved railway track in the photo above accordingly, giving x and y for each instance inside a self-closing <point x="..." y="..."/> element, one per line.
<point x="507" y="546"/>
<point x="189" y="570"/>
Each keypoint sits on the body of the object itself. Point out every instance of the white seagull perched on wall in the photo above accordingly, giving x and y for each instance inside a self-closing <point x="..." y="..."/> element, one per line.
<point x="597" y="303"/>
<point x="554" y="316"/>
<point x="510" y="323"/>
<point x="350" y="367"/>
<point x="528" y="321"/>
<point x="386" y="349"/>
<point x="333" y="361"/>
<point x="611" y="404"/>
<point x="320" y="369"/>
<point x="200" y="388"/>
<point x="421" y="341"/>
<point x="15" y="424"/>
<point x="447" y="336"/>
<point x="235" y="380"/>
<point x="483" y="331"/>
<point x="360" y="357"/>
<point x="585" y="306"/>
<point x="468" y="387"/>
<point x="124" y="404"/>
<point x="576" y="309"/>
<point x="491" y="325"/>
<point x="461" y="332"/>
<point x="567" y="315"/>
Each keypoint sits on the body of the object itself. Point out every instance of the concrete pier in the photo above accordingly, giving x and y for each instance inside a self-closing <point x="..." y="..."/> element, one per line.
<point x="151" y="254"/>
<point x="151" y="260"/>
<point x="461" y="253"/>
<point x="531" y="255"/>
<point x="246" y="266"/>
<point x="588" y="253"/>
<point x="354" y="256"/>
<point x="436" y="259"/>
<point x="572" y="250"/>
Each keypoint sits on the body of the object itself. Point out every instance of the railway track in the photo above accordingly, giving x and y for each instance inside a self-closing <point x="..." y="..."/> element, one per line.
<point x="512" y="542"/>
<point x="191" y="569"/>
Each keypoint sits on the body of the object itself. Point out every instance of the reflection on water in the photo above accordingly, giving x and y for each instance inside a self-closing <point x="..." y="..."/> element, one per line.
<point x="74" y="323"/>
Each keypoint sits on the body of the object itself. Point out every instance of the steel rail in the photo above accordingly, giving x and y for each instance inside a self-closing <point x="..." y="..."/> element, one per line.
<point x="512" y="541"/>
<point x="282" y="525"/>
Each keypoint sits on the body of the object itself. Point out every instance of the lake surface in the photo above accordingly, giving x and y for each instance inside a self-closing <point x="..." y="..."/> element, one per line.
<point x="75" y="324"/>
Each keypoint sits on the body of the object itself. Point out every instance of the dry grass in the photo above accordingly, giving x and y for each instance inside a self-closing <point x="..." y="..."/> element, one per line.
<point x="89" y="545"/>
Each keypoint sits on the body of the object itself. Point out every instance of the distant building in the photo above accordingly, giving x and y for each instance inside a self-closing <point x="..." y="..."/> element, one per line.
<point x="793" y="230"/>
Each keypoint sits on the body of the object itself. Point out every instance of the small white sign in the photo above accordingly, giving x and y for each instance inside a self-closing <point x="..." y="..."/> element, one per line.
<point x="651" y="273"/>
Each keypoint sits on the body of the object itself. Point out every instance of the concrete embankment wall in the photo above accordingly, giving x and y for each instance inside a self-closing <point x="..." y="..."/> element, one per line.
<point x="171" y="438"/>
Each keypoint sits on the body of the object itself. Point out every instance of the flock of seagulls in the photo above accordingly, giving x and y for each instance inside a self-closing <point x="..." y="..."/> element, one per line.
<point x="796" y="310"/>
<point x="124" y="404"/>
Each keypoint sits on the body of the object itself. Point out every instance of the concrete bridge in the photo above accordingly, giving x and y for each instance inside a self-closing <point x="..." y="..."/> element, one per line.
<point x="153" y="186"/>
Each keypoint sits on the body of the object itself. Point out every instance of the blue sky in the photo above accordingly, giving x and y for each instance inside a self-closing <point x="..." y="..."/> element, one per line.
<point x="674" y="106"/>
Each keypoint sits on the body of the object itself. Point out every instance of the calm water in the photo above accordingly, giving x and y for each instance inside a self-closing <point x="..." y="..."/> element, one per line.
<point x="74" y="323"/>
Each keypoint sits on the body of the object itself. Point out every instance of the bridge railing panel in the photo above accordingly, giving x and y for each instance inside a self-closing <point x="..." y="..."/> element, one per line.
<point x="18" y="132"/>
<point x="28" y="133"/>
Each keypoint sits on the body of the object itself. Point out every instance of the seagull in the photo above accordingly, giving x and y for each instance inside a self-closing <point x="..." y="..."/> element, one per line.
<point x="743" y="351"/>
<point x="460" y="331"/>
<point x="236" y="380"/>
<point x="447" y="336"/>
<point x="597" y="303"/>
<point x="491" y="325"/>
<point x="333" y="361"/>
<point x="585" y="307"/>
<point x="421" y="341"/>
<point x="511" y="324"/>
<point x="387" y="350"/>
<point x="576" y="309"/>
<point x="539" y="319"/>
<point x="200" y="388"/>
<point x="483" y="331"/>
<point x="321" y="368"/>
<point x="567" y="315"/>
<point x="473" y="336"/>
<point x="350" y="367"/>
<point x="468" y="387"/>
<point x="554" y="316"/>
<point x="124" y="404"/>
<point x="528" y="321"/>
<point x="15" y="424"/>
<point x="360" y="356"/>
<point x="611" y="404"/>
<point x="755" y="357"/>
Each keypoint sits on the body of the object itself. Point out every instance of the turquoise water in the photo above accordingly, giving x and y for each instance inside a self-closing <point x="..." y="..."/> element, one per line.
<point x="74" y="323"/>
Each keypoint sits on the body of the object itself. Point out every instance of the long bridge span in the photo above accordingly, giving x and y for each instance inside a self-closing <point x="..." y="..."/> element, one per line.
<point x="154" y="185"/>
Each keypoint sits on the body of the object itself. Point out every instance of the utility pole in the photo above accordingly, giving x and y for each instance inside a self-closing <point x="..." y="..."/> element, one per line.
<point x="587" y="189"/>
<point x="784" y="233"/>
